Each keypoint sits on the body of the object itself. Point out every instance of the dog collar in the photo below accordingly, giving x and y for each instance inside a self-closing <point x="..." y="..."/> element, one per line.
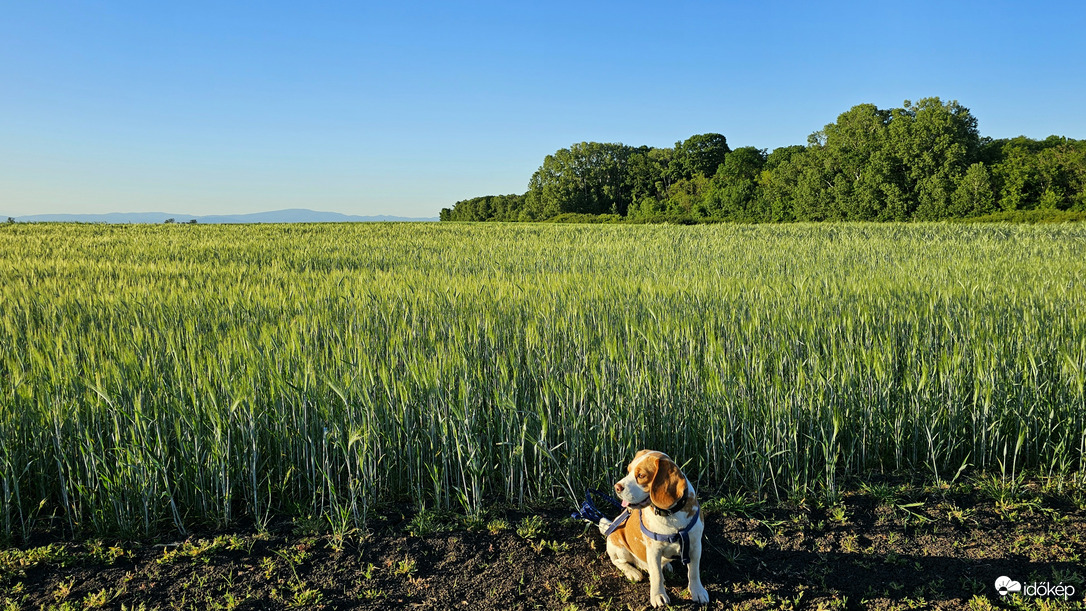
<point x="666" y="512"/>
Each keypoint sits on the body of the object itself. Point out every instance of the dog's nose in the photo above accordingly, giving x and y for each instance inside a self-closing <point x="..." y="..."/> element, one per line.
<point x="619" y="488"/>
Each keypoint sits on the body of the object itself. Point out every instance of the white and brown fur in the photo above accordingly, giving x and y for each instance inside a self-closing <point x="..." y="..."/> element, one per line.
<point x="652" y="478"/>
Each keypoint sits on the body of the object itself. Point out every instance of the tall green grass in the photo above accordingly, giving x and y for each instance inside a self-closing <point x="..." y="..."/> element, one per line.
<point x="182" y="376"/>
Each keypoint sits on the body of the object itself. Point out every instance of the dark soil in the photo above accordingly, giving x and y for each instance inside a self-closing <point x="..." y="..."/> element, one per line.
<point x="896" y="547"/>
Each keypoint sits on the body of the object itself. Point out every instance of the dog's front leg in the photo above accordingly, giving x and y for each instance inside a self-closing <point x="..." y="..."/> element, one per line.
<point x="693" y="574"/>
<point x="657" y="593"/>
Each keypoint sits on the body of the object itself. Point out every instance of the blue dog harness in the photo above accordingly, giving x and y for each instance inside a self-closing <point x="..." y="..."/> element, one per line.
<point x="682" y="537"/>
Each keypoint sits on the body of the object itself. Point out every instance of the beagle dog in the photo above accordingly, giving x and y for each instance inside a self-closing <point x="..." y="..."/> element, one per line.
<point x="661" y="523"/>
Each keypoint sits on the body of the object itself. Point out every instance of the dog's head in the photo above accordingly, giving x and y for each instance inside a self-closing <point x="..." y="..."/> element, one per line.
<point x="651" y="477"/>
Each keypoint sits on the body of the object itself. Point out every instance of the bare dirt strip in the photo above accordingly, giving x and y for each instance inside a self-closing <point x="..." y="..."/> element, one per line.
<point x="887" y="546"/>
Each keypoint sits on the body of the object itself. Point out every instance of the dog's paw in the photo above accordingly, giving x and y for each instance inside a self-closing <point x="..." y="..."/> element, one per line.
<point x="659" y="600"/>
<point x="604" y="525"/>
<point x="631" y="573"/>
<point x="699" y="595"/>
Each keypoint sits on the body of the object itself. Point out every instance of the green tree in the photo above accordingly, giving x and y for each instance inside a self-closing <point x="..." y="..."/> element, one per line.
<point x="485" y="208"/>
<point x="777" y="183"/>
<point x="587" y="178"/>
<point x="649" y="173"/>
<point x="686" y="200"/>
<point x="699" y="155"/>
<point x="856" y="165"/>
<point x="936" y="143"/>
<point x="733" y="190"/>
<point x="973" y="195"/>
<point x="885" y="165"/>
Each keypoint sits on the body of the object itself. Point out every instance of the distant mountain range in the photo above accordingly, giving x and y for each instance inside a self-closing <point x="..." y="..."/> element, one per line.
<point x="294" y="215"/>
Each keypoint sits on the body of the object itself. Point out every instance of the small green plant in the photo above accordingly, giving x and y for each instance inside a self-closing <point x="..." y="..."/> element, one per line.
<point x="531" y="527"/>
<point x="911" y="514"/>
<point x="893" y="558"/>
<point x="63" y="589"/>
<point x="980" y="603"/>
<point x="958" y="516"/>
<point x="96" y="600"/>
<point x="592" y="589"/>
<point x="473" y="520"/>
<point x="15" y="562"/>
<point x="100" y="552"/>
<point x="294" y="555"/>
<point x="11" y="599"/>
<point x="563" y="591"/>
<point x="372" y="594"/>
<point x="310" y="526"/>
<point x="428" y="522"/>
<point x="267" y="566"/>
<point x="884" y="494"/>
<point x="498" y="525"/>
<point x="553" y="546"/>
<point x="735" y="503"/>
<point x="304" y="597"/>
<point x="192" y="550"/>
<point x="1009" y="495"/>
<point x="368" y="571"/>
<point x="848" y="543"/>
<point x="405" y="567"/>
<point x="838" y="513"/>
<point x="1068" y="575"/>
<point x="732" y="556"/>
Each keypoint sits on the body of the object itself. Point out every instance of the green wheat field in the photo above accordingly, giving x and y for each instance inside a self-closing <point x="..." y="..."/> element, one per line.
<point x="175" y="376"/>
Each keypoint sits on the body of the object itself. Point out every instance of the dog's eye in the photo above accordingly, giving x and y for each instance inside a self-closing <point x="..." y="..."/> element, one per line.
<point x="641" y="475"/>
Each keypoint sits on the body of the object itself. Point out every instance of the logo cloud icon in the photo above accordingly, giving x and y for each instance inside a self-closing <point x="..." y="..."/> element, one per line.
<point x="1005" y="585"/>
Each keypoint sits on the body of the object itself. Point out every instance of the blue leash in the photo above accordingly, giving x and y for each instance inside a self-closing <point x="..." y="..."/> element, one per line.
<point x="589" y="511"/>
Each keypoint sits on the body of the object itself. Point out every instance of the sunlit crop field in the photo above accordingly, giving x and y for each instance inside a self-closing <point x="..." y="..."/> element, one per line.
<point x="176" y="376"/>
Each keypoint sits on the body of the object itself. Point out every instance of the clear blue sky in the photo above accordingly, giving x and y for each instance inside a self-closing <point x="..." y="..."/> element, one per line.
<point x="406" y="107"/>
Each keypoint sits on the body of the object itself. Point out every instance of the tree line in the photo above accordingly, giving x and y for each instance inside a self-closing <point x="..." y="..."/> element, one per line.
<point x="923" y="161"/>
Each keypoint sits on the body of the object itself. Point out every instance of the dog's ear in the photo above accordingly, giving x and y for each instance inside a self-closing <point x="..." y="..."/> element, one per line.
<point x="668" y="485"/>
